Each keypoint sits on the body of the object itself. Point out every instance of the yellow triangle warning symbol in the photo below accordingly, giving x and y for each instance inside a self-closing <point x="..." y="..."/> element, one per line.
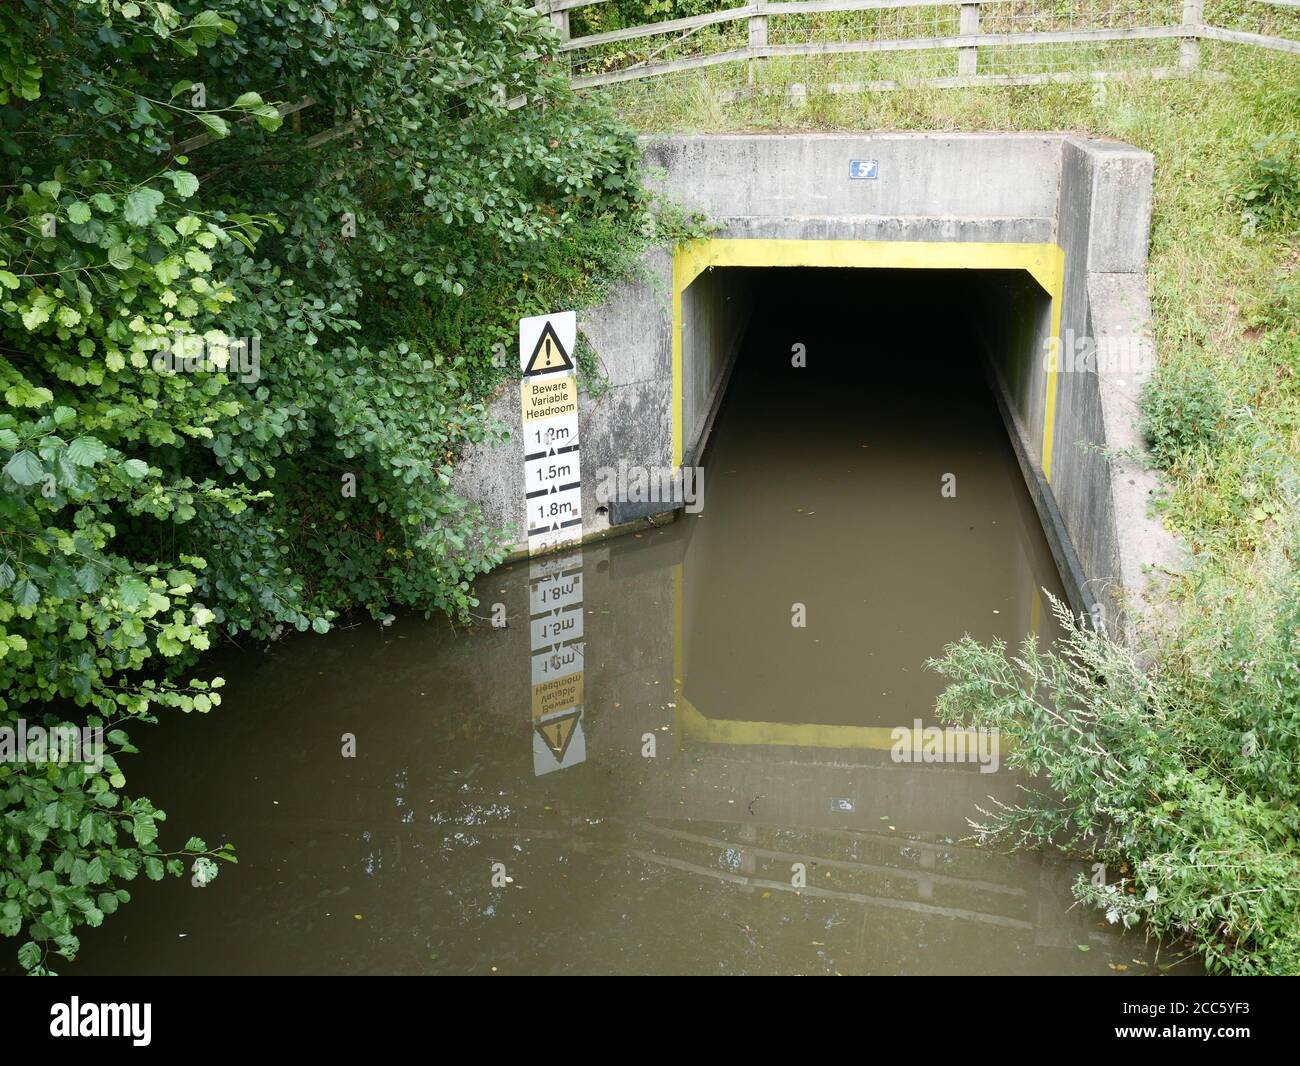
<point x="558" y="732"/>
<point x="548" y="354"/>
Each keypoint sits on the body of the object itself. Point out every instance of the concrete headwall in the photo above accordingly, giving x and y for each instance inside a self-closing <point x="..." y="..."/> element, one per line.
<point x="1081" y="207"/>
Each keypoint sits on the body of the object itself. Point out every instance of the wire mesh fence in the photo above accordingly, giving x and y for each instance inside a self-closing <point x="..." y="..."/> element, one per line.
<point x="1269" y="18"/>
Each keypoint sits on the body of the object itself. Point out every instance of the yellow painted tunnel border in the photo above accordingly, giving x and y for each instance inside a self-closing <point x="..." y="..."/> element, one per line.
<point x="1044" y="262"/>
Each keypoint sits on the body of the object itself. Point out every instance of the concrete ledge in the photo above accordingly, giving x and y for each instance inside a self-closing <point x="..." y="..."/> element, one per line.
<point x="1147" y="552"/>
<point x="1020" y="229"/>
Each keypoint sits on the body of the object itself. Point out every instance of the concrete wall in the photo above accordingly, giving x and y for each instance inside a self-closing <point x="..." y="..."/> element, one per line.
<point x="1091" y="198"/>
<point x="1097" y="509"/>
<point x="629" y="421"/>
<point x="924" y="179"/>
<point x="715" y="312"/>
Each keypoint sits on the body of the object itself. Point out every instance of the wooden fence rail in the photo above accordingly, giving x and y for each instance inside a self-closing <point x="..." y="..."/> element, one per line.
<point x="967" y="42"/>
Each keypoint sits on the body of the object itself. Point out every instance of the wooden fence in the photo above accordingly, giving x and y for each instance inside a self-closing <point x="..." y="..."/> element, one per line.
<point x="965" y="31"/>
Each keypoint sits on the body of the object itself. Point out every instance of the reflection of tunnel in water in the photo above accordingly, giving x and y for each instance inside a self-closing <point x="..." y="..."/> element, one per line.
<point x="827" y="485"/>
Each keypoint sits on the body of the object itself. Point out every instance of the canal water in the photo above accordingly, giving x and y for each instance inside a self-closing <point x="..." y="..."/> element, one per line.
<point x="730" y="800"/>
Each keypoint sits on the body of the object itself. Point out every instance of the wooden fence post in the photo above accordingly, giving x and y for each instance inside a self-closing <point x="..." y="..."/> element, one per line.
<point x="1189" y="49"/>
<point x="757" y="38"/>
<point x="968" y="58"/>
<point x="559" y="19"/>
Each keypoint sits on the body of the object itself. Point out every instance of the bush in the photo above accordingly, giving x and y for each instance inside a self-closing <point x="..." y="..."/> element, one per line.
<point x="1183" y="779"/>
<point x="155" y="489"/>
<point x="1182" y="411"/>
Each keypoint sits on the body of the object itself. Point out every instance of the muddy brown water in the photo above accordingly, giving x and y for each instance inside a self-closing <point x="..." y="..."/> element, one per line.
<point x="771" y="740"/>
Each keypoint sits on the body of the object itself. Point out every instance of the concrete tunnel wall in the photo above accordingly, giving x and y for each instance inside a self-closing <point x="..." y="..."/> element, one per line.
<point x="715" y="312"/>
<point x="1086" y="201"/>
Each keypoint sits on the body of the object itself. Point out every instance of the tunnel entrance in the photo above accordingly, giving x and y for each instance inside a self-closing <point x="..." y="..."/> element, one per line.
<point x="1017" y="289"/>
<point x="863" y="502"/>
<point x="1049" y="232"/>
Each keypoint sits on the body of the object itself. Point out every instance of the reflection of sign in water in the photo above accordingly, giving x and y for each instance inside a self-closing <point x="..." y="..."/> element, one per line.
<point x="548" y="398"/>
<point x="555" y="626"/>
<point x="558" y="694"/>
<point x="562" y="738"/>
<point x="554" y="593"/>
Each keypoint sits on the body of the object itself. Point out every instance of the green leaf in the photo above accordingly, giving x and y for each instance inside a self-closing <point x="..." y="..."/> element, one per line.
<point x="205" y="870"/>
<point x="132" y="592"/>
<point x="215" y="124"/>
<point x="25" y="468"/>
<point x="120" y="257"/>
<point x="79" y="212"/>
<point x="142" y="206"/>
<point x="89" y="578"/>
<point x="268" y="117"/>
<point x="86" y="451"/>
<point x="208" y="26"/>
<point x="185" y="184"/>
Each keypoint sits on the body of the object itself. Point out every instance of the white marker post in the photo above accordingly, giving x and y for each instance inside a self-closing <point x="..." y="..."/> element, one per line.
<point x="548" y="396"/>
<point x="549" y="407"/>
